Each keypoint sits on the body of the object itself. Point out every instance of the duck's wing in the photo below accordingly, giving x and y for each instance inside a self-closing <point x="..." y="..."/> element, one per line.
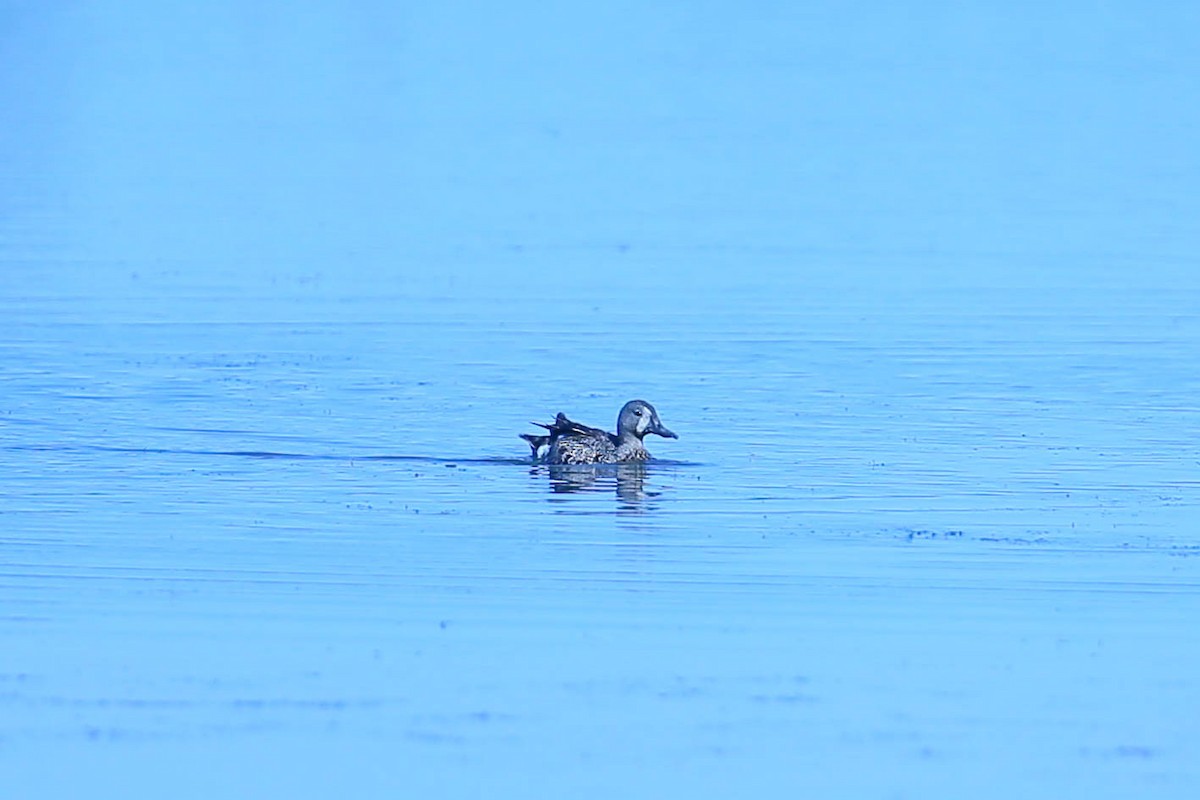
<point x="562" y="426"/>
<point x="577" y="428"/>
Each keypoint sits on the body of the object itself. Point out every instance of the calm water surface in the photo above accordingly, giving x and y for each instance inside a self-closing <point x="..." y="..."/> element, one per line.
<point x="276" y="298"/>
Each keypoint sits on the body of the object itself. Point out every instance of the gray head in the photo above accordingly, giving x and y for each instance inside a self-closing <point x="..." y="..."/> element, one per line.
<point x="638" y="418"/>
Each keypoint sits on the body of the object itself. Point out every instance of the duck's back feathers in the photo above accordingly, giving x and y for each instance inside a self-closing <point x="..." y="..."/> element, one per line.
<point x="588" y="446"/>
<point x="561" y="433"/>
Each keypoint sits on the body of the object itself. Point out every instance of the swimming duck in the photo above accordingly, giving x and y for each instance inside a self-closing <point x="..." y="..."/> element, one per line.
<point x="571" y="443"/>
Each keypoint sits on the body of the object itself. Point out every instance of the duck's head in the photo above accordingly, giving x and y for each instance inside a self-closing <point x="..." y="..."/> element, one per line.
<point x="639" y="418"/>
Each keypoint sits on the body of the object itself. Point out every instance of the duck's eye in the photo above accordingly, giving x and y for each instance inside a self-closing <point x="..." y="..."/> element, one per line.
<point x="637" y="412"/>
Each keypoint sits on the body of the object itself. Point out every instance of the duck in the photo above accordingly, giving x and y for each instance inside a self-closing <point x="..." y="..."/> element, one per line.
<point x="569" y="442"/>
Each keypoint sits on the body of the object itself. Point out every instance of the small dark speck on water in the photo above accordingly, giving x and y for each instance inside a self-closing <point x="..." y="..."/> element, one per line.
<point x="1134" y="751"/>
<point x="912" y="535"/>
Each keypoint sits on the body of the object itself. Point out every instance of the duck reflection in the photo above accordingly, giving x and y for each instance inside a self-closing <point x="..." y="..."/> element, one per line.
<point x="628" y="481"/>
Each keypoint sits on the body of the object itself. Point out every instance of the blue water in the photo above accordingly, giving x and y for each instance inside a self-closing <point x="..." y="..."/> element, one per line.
<point x="918" y="288"/>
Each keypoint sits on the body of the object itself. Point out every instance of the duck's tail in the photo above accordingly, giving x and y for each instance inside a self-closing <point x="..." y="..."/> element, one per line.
<point x="559" y="427"/>
<point x="535" y="442"/>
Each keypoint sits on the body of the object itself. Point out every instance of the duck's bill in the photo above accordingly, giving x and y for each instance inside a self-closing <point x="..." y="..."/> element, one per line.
<point x="666" y="433"/>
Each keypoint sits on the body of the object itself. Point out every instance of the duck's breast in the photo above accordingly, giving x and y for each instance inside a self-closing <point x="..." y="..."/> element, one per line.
<point x="631" y="451"/>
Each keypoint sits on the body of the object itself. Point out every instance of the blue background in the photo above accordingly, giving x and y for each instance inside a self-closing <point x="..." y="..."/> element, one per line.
<point x="917" y="286"/>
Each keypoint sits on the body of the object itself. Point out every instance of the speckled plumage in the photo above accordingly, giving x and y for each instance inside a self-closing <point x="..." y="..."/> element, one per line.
<point x="569" y="442"/>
